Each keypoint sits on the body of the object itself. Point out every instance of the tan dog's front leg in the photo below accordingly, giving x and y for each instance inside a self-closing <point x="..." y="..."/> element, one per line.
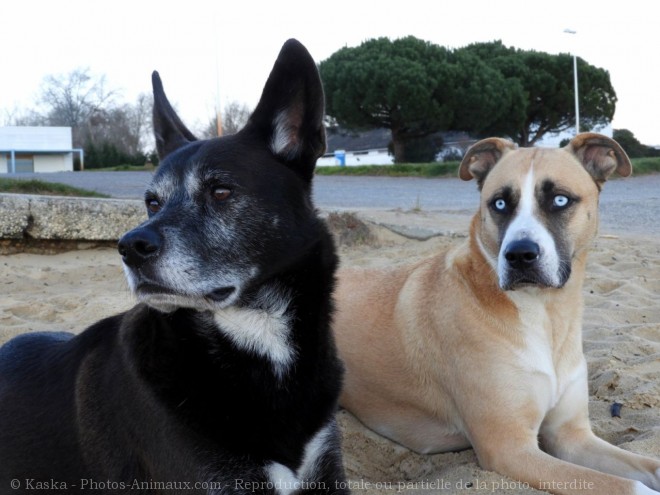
<point x="581" y="446"/>
<point x="514" y="452"/>
<point x="567" y="434"/>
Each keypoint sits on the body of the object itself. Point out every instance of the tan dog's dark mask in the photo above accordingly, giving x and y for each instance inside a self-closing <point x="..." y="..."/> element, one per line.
<point x="537" y="209"/>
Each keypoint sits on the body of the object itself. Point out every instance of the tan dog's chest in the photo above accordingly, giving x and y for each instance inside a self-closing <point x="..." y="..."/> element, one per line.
<point x="527" y="353"/>
<point x="549" y="366"/>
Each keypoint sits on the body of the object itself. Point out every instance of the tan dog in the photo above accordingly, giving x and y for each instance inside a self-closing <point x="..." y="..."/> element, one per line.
<point x="481" y="346"/>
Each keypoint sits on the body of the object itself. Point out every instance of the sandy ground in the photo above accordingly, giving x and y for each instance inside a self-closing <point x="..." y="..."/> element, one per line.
<point x="71" y="290"/>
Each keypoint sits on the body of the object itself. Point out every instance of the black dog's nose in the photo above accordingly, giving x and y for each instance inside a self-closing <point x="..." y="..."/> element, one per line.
<point x="138" y="245"/>
<point x="522" y="254"/>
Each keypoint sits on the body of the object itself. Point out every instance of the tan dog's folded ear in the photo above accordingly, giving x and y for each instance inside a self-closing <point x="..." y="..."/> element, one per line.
<point x="482" y="156"/>
<point x="600" y="156"/>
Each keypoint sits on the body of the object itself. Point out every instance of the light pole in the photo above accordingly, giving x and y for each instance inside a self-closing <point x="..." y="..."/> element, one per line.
<point x="218" y="113"/>
<point x="575" y="83"/>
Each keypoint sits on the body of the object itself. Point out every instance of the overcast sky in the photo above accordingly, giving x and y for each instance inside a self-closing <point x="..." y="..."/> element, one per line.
<point x="224" y="49"/>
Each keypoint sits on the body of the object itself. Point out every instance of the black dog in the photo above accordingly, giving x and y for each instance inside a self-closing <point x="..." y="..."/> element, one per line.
<point x="224" y="379"/>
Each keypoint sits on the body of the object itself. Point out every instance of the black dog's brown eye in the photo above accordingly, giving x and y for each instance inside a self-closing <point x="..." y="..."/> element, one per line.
<point x="153" y="205"/>
<point x="221" y="193"/>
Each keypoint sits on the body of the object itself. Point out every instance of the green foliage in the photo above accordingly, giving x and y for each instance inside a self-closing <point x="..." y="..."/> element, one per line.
<point x="109" y="155"/>
<point x="421" y="149"/>
<point x="446" y="169"/>
<point x="152" y="158"/>
<point x="631" y="144"/>
<point x="410" y="86"/>
<point x="479" y="94"/>
<point x="416" y="88"/>
<point x="647" y="165"/>
<point x="34" y="186"/>
<point x="542" y="93"/>
<point x="366" y="85"/>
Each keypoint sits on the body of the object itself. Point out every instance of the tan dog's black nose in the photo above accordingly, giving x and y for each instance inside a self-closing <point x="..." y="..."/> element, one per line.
<point x="522" y="254"/>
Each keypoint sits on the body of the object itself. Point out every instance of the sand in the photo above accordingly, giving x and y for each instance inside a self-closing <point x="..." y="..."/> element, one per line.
<point x="69" y="291"/>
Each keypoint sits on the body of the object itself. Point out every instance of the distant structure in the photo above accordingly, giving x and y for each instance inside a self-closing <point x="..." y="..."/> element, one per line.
<point x="370" y="147"/>
<point x="37" y="149"/>
<point x="352" y="148"/>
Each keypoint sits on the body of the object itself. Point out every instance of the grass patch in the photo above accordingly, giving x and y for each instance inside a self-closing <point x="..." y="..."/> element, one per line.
<point x="447" y="169"/>
<point x="123" y="168"/>
<point x="643" y="166"/>
<point x="35" y="186"/>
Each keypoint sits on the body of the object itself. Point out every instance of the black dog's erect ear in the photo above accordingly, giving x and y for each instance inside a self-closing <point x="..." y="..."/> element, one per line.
<point x="289" y="114"/>
<point x="169" y="131"/>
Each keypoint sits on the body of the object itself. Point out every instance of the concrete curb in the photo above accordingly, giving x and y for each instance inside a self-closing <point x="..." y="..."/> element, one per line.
<point x="53" y="218"/>
<point x="61" y="222"/>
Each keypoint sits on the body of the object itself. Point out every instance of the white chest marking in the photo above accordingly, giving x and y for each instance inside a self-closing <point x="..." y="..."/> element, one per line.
<point x="285" y="480"/>
<point x="536" y="357"/>
<point x="264" y="329"/>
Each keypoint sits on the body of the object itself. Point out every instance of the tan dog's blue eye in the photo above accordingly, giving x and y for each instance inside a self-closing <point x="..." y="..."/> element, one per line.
<point x="560" y="201"/>
<point x="500" y="205"/>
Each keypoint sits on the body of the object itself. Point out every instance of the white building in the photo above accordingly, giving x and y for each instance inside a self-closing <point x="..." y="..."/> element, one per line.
<point x="36" y="149"/>
<point x="348" y="148"/>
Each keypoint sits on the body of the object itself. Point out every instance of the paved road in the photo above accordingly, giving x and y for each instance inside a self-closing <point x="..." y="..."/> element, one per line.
<point x="630" y="205"/>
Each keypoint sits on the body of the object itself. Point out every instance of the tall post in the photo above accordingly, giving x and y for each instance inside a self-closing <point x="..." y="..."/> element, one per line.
<point x="577" y="99"/>
<point x="218" y="112"/>
<point x="575" y="85"/>
<point x="218" y="121"/>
